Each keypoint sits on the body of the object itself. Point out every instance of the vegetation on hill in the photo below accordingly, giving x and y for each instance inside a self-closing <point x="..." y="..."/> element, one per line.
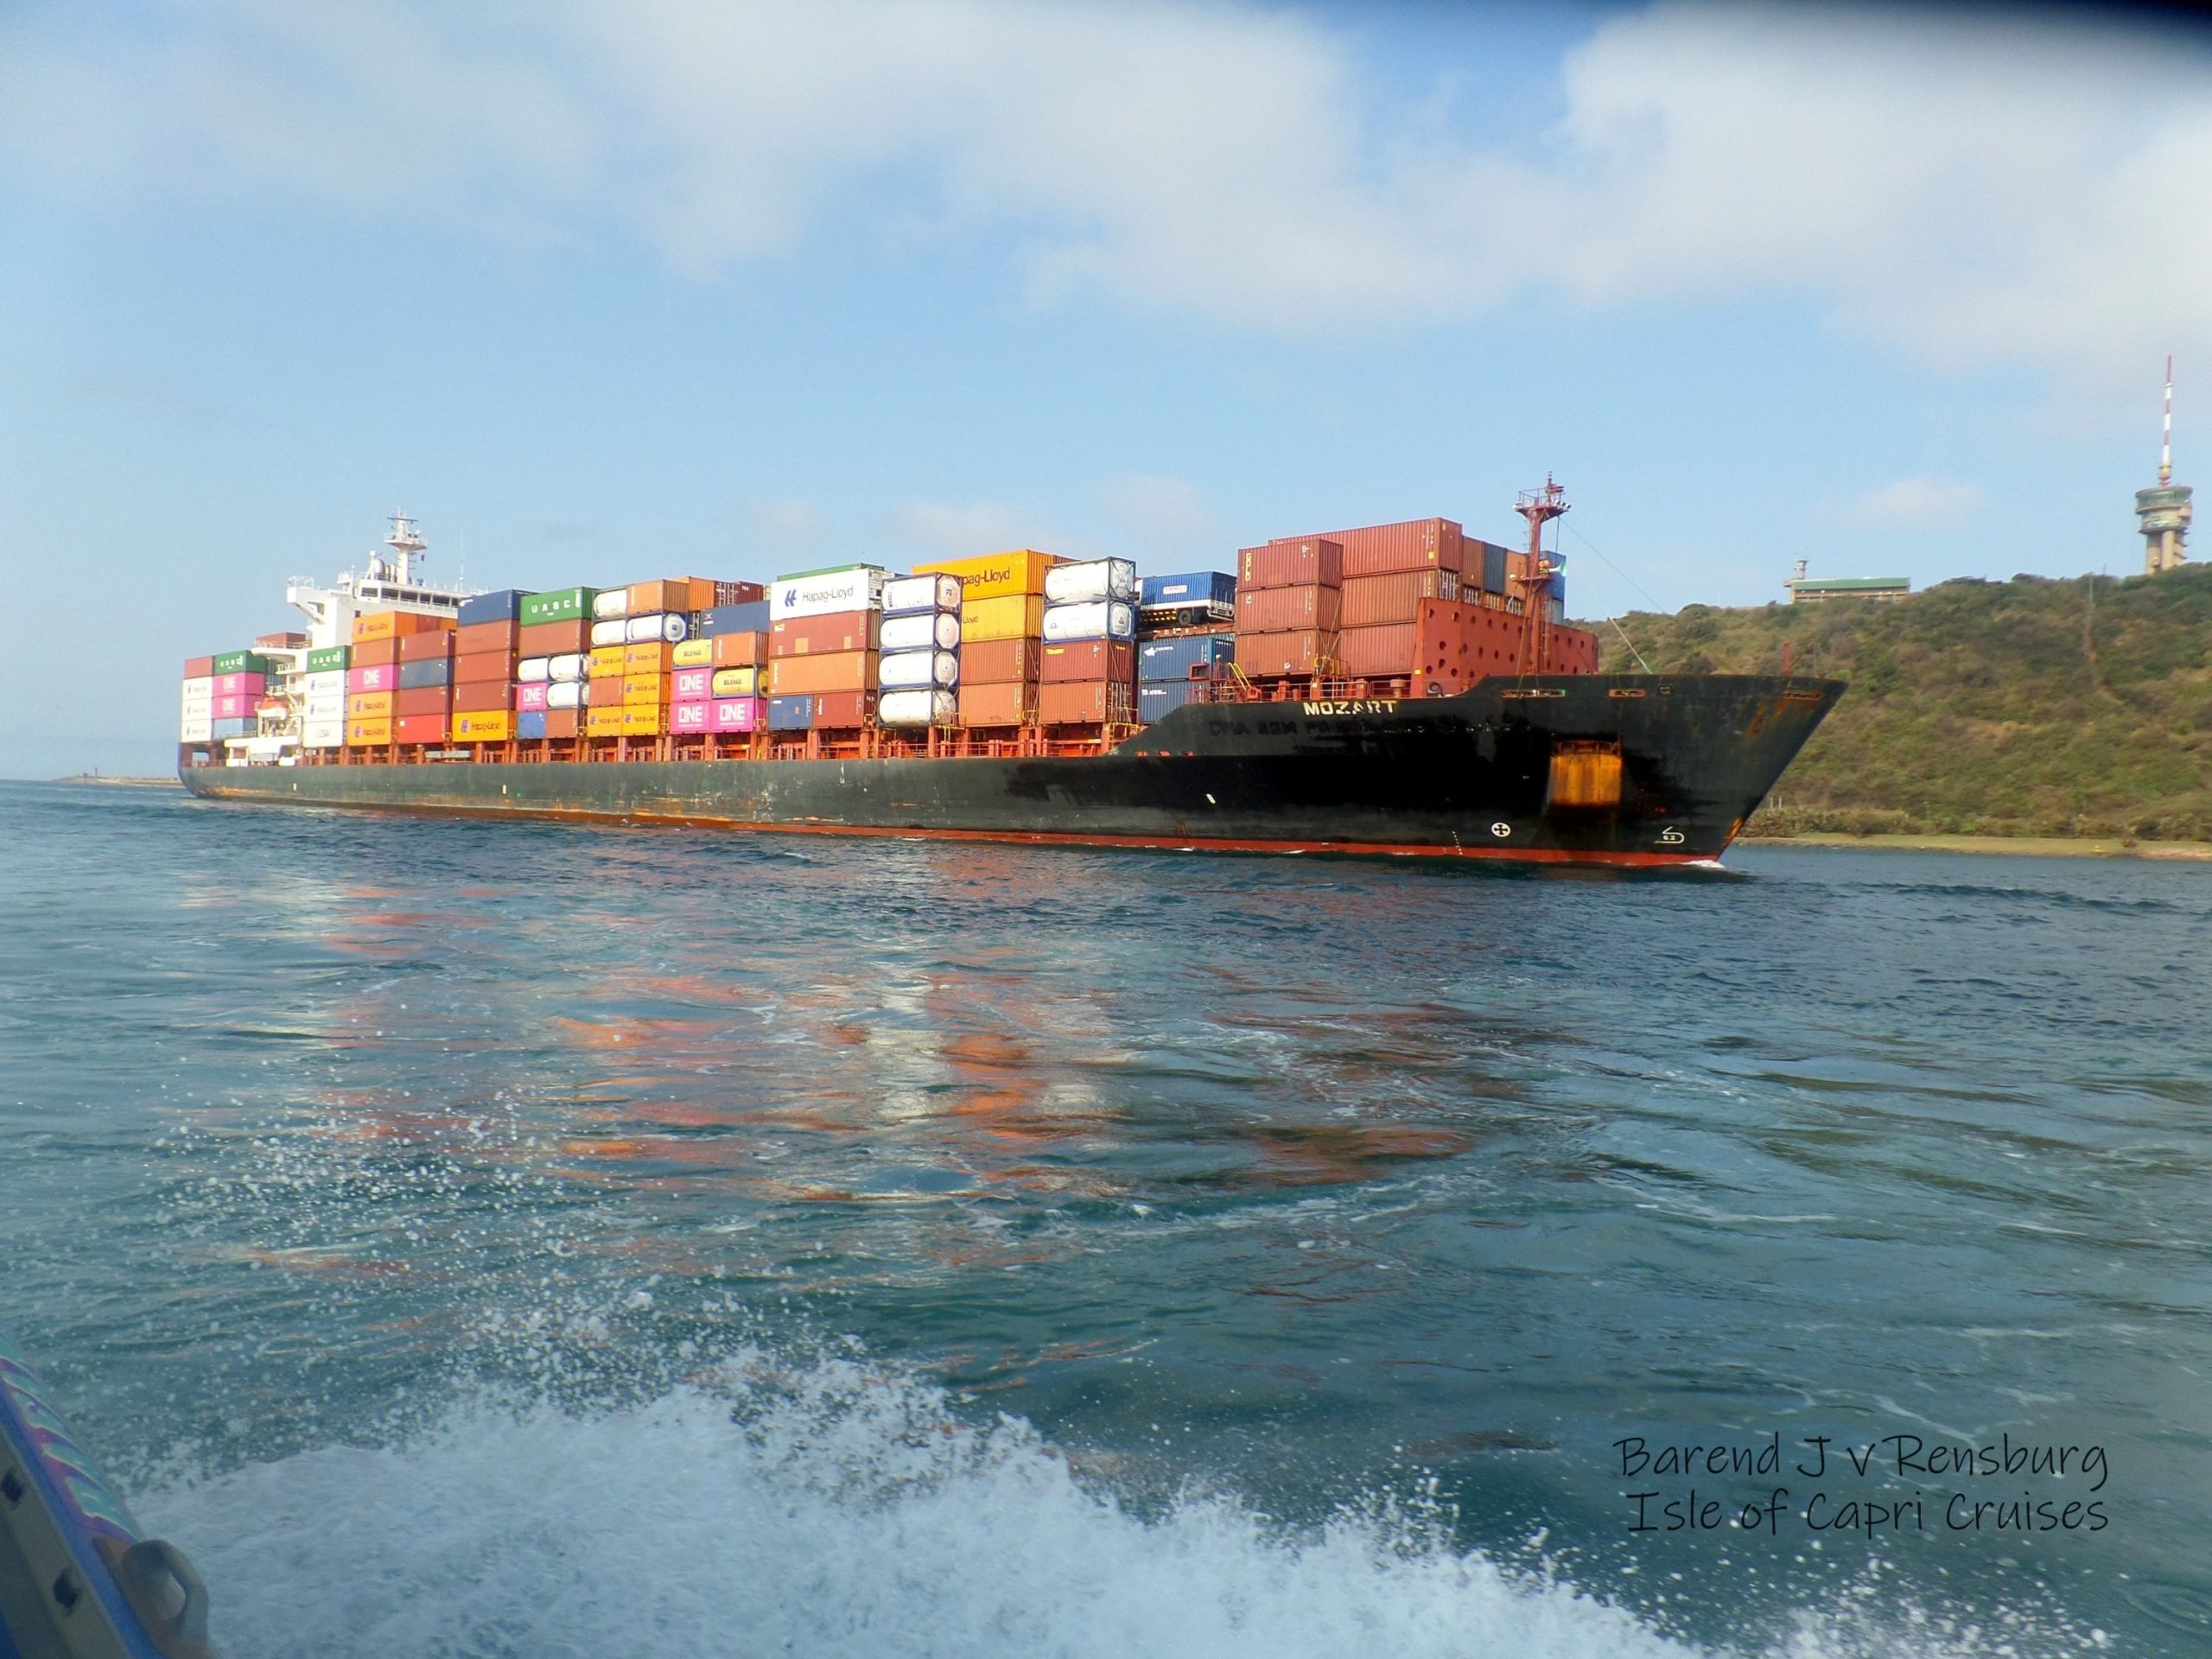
<point x="2027" y="707"/>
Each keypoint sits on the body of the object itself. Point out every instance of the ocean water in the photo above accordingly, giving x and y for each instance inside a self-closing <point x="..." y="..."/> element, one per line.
<point x="507" y="1239"/>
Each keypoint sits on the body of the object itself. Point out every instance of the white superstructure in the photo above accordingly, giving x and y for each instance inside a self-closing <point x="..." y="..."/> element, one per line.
<point x="389" y="584"/>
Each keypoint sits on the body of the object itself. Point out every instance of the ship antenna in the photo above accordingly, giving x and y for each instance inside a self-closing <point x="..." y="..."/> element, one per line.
<point x="407" y="542"/>
<point x="2166" y="447"/>
<point x="1539" y="507"/>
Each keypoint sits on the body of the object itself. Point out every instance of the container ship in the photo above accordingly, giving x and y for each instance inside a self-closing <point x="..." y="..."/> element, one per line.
<point x="1402" y="689"/>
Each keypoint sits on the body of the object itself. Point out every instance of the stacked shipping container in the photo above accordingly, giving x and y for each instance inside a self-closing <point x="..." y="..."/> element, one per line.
<point x="1002" y="634"/>
<point x="374" y="682"/>
<point x="552" y="641"/>
<point x="1088" y="662"/>
<point x="918" y="673"/>
<point x="322" y="716"/>
<point x="824" y="644"/>
<point x="734" y="657"/>
<point x="1289" y="609"/>
<point x="485" y="647"/>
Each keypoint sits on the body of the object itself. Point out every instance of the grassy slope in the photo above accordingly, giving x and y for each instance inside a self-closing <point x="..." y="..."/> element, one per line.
<point x="1993" y="707"/>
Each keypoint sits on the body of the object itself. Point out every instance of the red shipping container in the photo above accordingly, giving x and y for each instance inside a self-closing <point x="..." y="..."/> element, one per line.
<point x="480" y="665"/>
<point x="1290" y="564"/>
<point x="841" y="630"/>
<point x="1412" y="544"/>
<point x="997" y="662"/>
<point x="550" y="638"/>
<point x="1388" y="650"/>
<point x="426" y="646"/>
<point x="747" y="649"/>
<point x="478" y="696"/>
<point x="529" y="699"/>
<point x="838" y="711"/>
<point x="423" y="700"/>
<point x="486" y="636"/>
<point x="1012" y="702"/>
<point x="374" y="653"/>
<point x="1286" y="610"/>
<point x="1271" y="656"/>
<point x="1370" y="601"/>
<point x="421" y="729"/>
<point x="738" y="593"/>
<point x="564" y="722"/>
<point x="1091" y="703"/>
<point x="199" y="668"/>
<point x="1088" y="659"/>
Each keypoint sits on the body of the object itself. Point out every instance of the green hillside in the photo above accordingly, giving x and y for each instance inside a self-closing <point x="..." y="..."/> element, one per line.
<point x="2027" y="707"/>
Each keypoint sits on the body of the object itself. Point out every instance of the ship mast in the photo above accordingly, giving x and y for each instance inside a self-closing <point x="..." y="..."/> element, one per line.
<point x="1539" y="507"/>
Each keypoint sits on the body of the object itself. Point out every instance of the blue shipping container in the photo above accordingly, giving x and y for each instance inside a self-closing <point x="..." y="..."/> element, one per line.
<point x="504" y="606"/>
<point x="1161" y="660"/>
<point x="735" y="619"/>
<point x="1493" y="568"/>
<point x="232" y="729"/>
<point x="529" y="724"/>
<point x="790" y="714"/>
<point x="435" y="670"/>
<point x="1155" y="701"/>
<point x="1198" y="588"/>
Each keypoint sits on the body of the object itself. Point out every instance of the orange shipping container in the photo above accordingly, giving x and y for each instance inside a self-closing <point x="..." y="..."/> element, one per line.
<point x="671" y="594"/>
<point x="748" y="649"/>
<point x="843" y="711"/>
<point x="483" y="726"/>
<point x="1388" y="650"/>
<point x="426" y="644"/>
<point x="374" y="653"/>
<point x="1285" y="610"/>
<point x="562" y="722"/>
<point x="485" y="636"/>
<point x="482" y="665"/>
<point x="367" y="733"/>
<point x="1012" y="703"/>
<point x="473" y="696"/>
<point x="1271" y="656"/>
<point x="395" y="625"/>
<point x="553" y="639"/>
<point x="811" y="636"/>
<point x="1091" y="703"/>
<point x="1089" y="659"/>
<point x="851" y="670"/>
<point x="995" y="575"/>
<point x="420" y="701"/>
<point x="656" y="656"/>
<point x="992" y="661"/>
<point x="369" y="705"/>
<point x="1369" y="601"/>
<point x="1412" y="544"/>
<point x="1312" y="561"/>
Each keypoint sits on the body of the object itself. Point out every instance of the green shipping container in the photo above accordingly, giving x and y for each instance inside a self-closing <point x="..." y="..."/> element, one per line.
<point x="242" y="662"/>
<point x="562" y="604"/>
<point x="328" y="658"/>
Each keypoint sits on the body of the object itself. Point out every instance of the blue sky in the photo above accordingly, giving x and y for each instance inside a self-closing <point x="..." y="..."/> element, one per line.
<point x="601" y="291"/>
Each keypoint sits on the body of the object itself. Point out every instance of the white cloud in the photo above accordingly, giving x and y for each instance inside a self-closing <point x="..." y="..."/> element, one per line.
<point x="1973" y="190"/>
<point x="1916" y="504"/>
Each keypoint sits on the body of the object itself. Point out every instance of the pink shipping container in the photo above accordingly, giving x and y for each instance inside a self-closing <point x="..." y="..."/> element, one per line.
<point x="382" y="677"/>
<point x="1386" y="650"/>
<point x="693" y="686"/>
<point x="1291" y="564"/>
<point x="532" y="698"/>
<point x="1279" y="610"/>
<point x="693" y="715"/>
<point x="740" y="714"/>
<point x="232" y="685"/>
<point x="238" y="706"/>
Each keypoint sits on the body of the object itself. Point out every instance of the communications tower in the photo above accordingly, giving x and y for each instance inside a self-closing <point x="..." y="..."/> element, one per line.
<point x="2165" y="513"/>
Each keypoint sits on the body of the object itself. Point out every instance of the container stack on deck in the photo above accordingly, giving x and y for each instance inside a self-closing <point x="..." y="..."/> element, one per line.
<point x="1087" y="662"/>
<point x="421" y="704"/>
<point x="322" y="717"/>
<point x="374" y="682"/>
<point x="196" y="711"/>
<point x="485" y="647"/>
<point x="1289" y="609"/>
<point x="1002" y="629"/>
<point x="552" y="642"/>
<point x="918" y="676"/>
<point x="1186" y="638"/>
<point x="736" y="638"/>
<point x="823" y="647"/>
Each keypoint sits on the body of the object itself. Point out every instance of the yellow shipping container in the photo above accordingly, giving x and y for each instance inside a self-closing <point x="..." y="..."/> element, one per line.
<point x="692" y="653"/>
<point x="603" y="722"/>
<point x="642" y="720"/>
<point x="369" y="705"/>
<point x="484" y="725"/>
<point x="643" y="688"/>
<point x="375" y="624"/>
<point x="737" y="682"/>
<point x="657" y="658"/>
<point x="1016" y="616"/>
<point x="605" y="663"/>
<point x="995" y="575"/>
<point x="367" y="733"/>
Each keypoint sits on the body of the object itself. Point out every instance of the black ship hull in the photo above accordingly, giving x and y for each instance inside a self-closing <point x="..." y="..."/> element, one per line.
<point x="1582" y="769"/>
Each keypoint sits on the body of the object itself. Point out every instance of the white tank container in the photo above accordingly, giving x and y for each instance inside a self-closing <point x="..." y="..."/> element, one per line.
<point x="615" y="602"/>
<point x="905" y="596"/>
<point x="563" y="669"/>
<point x="565" y="694"/>
<point x="613" y="632"/>
<point x="668" y="626"/>
<point x="533" y="670"/>
<point x="824" y="593"/>
<point x="904" y="670"/>
<point x="923" y="631"/>
<point x="916" y="708"/>
<point x="1099" y="620"/>
<point x="1069" y="584"/>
